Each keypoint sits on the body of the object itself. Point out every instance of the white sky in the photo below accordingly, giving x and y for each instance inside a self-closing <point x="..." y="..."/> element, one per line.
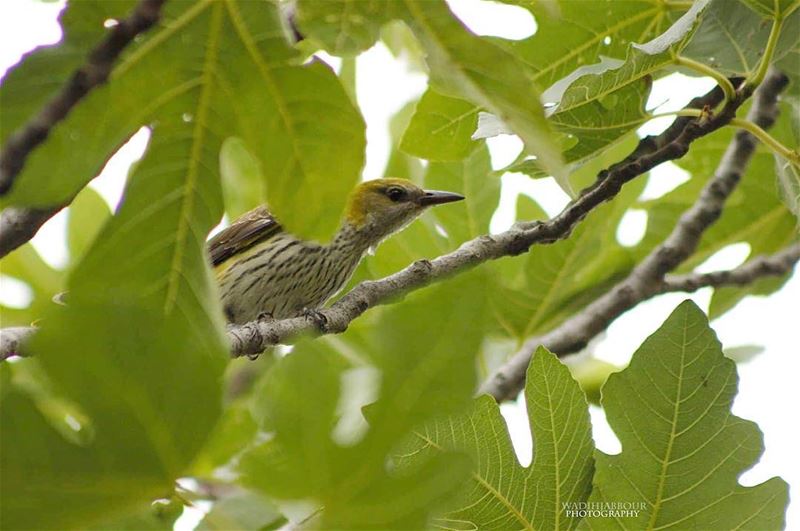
<point x="767" y="386"/>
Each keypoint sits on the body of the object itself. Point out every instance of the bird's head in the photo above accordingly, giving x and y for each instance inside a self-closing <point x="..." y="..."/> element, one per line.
<point x="382" y="207"/>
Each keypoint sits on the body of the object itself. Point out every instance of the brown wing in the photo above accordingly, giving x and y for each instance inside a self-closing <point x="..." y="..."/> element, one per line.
<point x="247" y="230"/>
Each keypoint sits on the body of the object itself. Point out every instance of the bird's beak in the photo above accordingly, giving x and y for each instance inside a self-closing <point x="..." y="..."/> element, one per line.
<point x="435" y="197"/>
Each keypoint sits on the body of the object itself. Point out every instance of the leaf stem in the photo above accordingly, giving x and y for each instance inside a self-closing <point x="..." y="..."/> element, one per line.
<point x="769" y="51"/>
<point x="770" y="141"/>
<point x="723" y="82"/>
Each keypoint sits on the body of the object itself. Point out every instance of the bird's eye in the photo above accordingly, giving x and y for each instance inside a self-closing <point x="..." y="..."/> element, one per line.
<point x="395" y="193"/>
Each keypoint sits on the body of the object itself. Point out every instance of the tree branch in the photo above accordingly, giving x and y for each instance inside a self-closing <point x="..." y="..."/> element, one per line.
<point x="647" y="278"/>
<point x="775" y="265"/>
<point x="12" y="341"/>
<point x="252" y="338"/>
<point x="19" y="226"/>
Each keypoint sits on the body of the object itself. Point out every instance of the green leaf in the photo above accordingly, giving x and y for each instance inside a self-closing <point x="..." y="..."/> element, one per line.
<point x="582" y="32"/>
<point x="788" y="176"/>
<point x="342" y="27"/>
<point x="540" y="289"/>
<point x="501" y="494"/>
<point x="86" y="216"/>
<point x="243" y="182"/>
<point x="185" y="78"/>
<point x="440" y="128"/>
<point x="425" y="359"/>
<point x="465" y="65"/>
<point x="242" y="510"/>
<point x="600" y="103"/>
<point x="732" y="37"/>
<point x="472" y="178"/>
<point x="25" y="265"/>
<point x="682" y="449"/>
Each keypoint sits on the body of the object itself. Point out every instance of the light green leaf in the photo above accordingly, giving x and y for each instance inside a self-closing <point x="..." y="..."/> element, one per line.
<point x="242" y="510"/>
<point x="472" y="178"/>
<point x="243" y="182"/>
<point x="186" y="77"/>
<point x="425" y="358"/>
<point x="25" y="265"/>
<point x="682" y="449"/>
<point x="464" y="65"/>
<point x="440" y="128"/>
<point x="342" y="27"/>
<point x="86" y="216"/>
<point x="500" y="493"/>
<point x="608" y="100"/>
<point x="788" y="176"/>
<point x="732" y="37"/>
<point x="551" y="282"/>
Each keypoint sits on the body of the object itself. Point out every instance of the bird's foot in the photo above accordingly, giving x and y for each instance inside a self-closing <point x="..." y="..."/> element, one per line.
<point x="265" y="317"/>
<point x="318" y="317"/>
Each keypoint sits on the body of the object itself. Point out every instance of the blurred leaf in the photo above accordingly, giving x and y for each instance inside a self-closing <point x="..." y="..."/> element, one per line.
<point x="86" y="216"/>
<point x="591" y="374"/>
<point x="743" y="353"/>
<point x="732" y="37"/>
<point x="424" y="355"/>
<point x="473" y="178"/>
<point x="440" y="128"/>
<point x="788" y="176"/>
<point x="25" y="265"/>
<point x="242" y="179"/>
<point x="682" y="449"/>
<point x="243" y="510"/>
<point x="152" y="516"/>
<point x="501" y="494"/>
<point x="464" y="65"/>
<point x="401" y="164"/>
<point x="536" y="291"/>
<point x="342" y="27"/>
<point x="234" y="431"/>
<point x="140" y="340"/>
<point x="185" y="78"/>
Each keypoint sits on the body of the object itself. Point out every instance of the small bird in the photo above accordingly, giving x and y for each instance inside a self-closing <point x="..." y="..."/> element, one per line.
<point x="263" y="271"/>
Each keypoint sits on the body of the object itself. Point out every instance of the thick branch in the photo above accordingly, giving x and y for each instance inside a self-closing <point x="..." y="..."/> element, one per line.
<point x="19" y="225"/>
<point x="252" y="338"/>
<point x="646" y="279"/>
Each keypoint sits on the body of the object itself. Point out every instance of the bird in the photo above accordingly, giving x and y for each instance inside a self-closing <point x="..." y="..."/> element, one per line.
<point x="263" y="271"/>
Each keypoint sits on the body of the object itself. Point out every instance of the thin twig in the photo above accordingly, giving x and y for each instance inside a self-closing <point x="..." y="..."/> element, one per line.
<point x="647" y="278"/>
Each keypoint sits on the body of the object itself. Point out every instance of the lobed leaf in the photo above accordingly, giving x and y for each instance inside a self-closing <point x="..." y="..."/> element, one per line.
<point x="502" y="494"/>
<point x="682" y="449"/>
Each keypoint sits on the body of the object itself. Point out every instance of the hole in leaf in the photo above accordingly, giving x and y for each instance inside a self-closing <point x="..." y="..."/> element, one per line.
<point x="110" y="23"/>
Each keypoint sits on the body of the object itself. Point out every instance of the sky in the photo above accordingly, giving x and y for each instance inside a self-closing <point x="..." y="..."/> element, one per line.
<point x="767" y="383"/>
